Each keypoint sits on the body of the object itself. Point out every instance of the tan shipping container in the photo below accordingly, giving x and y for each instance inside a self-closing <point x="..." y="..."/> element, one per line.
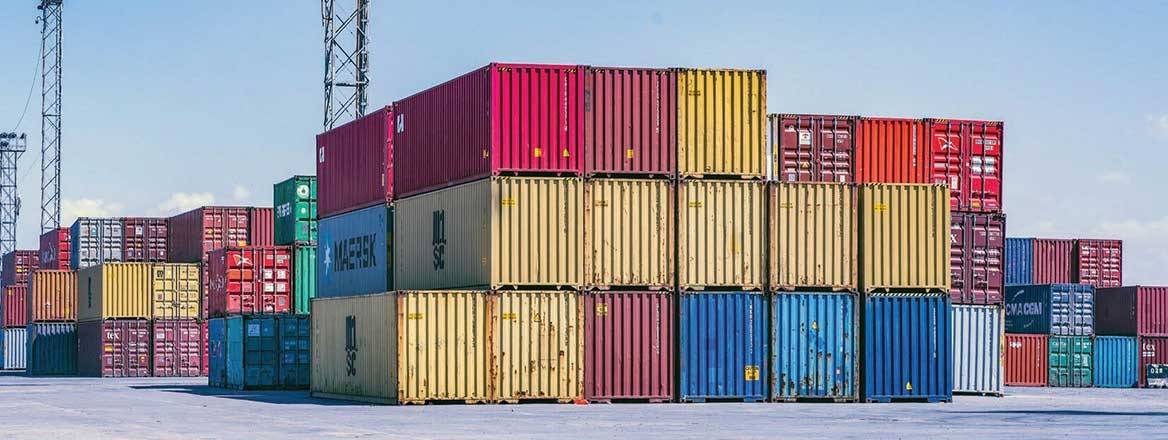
<point x="354" y="348"/>
<point x="721" y="238"/>
<point x="113" y="291"/>
<point x="904" y="236"/>
<point x="444" y="346"/>
<point x="537" y="344"/>
<point x="52" y="296"/>
<point x="493" y="233"/>
<point x="813" y="236"/>
<point x="629" y="233"/>
<point x="721" y="122"/>
<point x="176" y="290"/>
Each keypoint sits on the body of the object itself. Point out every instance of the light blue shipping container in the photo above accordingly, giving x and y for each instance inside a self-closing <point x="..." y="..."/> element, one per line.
<point x="978" y="340"/>
<point x="354" y="253"/>
<point x="723" y="347"/>
<point x="52" y="349"/>
<point x="250" y="352"/>
<point x="1054" y="309"/>
<point x="1019" y="261"/>
<point x="908" y="354"/>
<point x="15" y="342"/>
<point x="814" y="340"/>
<point x="93" y="241"/>
<point x="1116" y="362"/>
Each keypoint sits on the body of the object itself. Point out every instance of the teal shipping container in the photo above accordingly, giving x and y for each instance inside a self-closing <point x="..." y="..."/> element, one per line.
<point x="1116" y="362"/>
<point x="814" y="339"/>
<point x="1071" y="361"/>
<point x="295" y="354"/>
<point x="248" y="352"/>
<point x="52" y="349"/>
<point x="303" y="276"/>
<point x="295" y="210"/>
<point x="723" y="347"/>
<point x="908" y="348"/>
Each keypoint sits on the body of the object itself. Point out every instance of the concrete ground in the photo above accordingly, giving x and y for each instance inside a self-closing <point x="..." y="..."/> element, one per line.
<point x="84" y="408"/>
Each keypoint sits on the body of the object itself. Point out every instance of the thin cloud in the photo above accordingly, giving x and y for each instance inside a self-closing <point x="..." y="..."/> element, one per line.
<point x="71" y="209"/>
<point x="240" y="194"/>
<point x="1158" y="124"/>
<point x="1114" y="178"/>
<point x="182" y="202"/>
<point x="1145" y="248"/>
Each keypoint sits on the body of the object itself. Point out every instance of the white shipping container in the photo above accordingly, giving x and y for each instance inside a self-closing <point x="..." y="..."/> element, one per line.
<point x="978" y="338"/>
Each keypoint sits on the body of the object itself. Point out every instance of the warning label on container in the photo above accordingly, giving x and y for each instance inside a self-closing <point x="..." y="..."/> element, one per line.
<point x="804" y="137"/>
<point x="750" y="374"/>
<point x="537" y="152"/>
<point x="602" y="310"/>
<point x="253" y="329"/>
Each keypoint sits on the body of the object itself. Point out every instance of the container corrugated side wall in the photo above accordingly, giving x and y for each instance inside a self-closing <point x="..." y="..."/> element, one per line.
<point x="1116" y="362"/>
<point x="443" y="343"/>
<point x="907" y="348"/>
<point x="721" y="122"/>
<point x="629" y="233"/>
<point x="1026" y="360"/>
<point x="303" y="276"/>
<point x="52" y="349"/>
<point x="114" y="290"/>
<point x="1152" y="310"/>
<point x="890" y="150"/>
<point x="630" y="121"/>
<point x="15" y="341"/>
<point x="815" y="336"/>
<point x="722" y="346"/>
<point x="813" y="239"/>
<point x="628" y="346"/>
<point x="1019" y="261"/>
<point x="721" y="234"/>
<point x="537" y="344"/>
<point x="904" y="236"/>
<point x="979" y="334"/>
<point x="53" y="296"/>
<point x="1052" y="261"/>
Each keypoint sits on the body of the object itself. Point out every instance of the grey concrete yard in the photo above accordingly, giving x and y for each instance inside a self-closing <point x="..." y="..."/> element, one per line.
<point x="84" y="408"/>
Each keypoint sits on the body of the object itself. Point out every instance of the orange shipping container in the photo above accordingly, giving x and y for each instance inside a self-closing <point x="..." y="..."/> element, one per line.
<point x="53" y="296"/>
<point x="890" y="150"/>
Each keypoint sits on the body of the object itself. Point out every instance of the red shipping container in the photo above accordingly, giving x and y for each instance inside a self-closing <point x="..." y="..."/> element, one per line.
<point x="114" y="348"/>
<point x="499" y="119"/>
<point x="891" y="150"/>
<point x="1052" y="261"/>
<point x="144" y="239"/>
<point x="354" y="164"/>
<point x="628" y="346"/>
<point x="178" y="345"/>
<point x="1132" y="311"/>
<point x="250" y="280"/>
<point x="15" y="306"/>
<point x="18" y="266"/>
<point x="630" y="122"/>
<point x="1026" y="360"/>
<point x="977" y="256"/>
<point x="261" y="226"/>
<point x="967" y="155"/>
<point x="195" y="233"/>
<point x="54" y="251"/>
<point x="1152" y="350"/>
<point x="812" y="148"/>
<point x="1099" y="262"/>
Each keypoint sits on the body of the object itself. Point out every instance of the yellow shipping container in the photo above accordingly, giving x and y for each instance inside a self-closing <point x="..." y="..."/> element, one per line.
<point x="444" y="346"/>
<point x="354" y="348"/>
<point x="538" y="346"/>
<point x="114" y="290"/>
<point x="176" y="290"/>
<point x="721" y="122"/>
<point x="629" y="233"/>
<point x="721" y="239"/>
<point x="813" y="236"/>
<point x="52" y="296"/>
<point x="904" y="231"/>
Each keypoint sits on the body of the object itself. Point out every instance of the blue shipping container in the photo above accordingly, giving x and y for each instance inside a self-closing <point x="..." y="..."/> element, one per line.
<point x="814" y="346"/>
<point x="52" y="349"/>
<point x="723" y="347"/>
<point x="1019" y="261"/>
<point x="1116" y="362"/>
<point x="1055" y="309"/>
<point x="247" y="352"/>
<point x="15" y="342"/>
<point x="216" y="352"/>
<point x="295" y="354"/>
<point x="908" y="348"/>
<point x="354" y="253"/>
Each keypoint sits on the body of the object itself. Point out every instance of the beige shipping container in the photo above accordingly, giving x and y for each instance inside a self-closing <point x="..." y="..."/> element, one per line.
<point x="444" y="346"/>
<point x="493" y="233"/>
<point x="113" y="291"/>
<point x="354" y="348"/>
<point x="175" y="290"/>
<point x="629" y="233"/>
<point x="537" y="345"/>
<point x="52" y="296"/>
<point x="904" y="235"/>
<point x="721" y="122"/>
<point x="813" y="236"/>
<point x="721" y="238"/>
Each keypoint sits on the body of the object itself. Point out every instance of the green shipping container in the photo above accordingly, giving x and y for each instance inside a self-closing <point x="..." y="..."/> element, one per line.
<point x="1071" y="360"/>
<point x="304" y="273"/>
<point x="295" y="206"/>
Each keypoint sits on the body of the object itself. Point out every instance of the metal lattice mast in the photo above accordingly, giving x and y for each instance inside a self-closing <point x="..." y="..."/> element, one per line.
<point x="12" y="146"/>
<point x="346" y="60"/>
<point x="50" y="114"/>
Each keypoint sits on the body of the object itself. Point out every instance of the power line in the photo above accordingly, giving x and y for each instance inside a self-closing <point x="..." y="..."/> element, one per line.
<point x="36" y="68"/>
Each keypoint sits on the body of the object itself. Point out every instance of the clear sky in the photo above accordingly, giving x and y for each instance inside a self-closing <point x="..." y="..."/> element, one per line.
<point x="170" y="105"/>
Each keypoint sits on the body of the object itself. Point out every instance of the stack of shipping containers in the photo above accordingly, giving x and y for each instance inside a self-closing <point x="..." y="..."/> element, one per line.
<point x="17" y="270"/>
<point x="1132" y="323"/>
<point x="113" y="318"/>
<point x="52" y="309"/>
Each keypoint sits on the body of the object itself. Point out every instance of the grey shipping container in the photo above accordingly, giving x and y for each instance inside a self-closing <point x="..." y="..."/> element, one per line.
<point x="15" y="340"/>
<point x="52" y="349"/>
<point x="979" y="334"/>
<point x="95" y="241"/>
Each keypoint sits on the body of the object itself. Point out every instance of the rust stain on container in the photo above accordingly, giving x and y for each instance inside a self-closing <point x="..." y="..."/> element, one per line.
<point x="629" y="233"/>
<point x="813" y="236"/>
<point x="537" y="345"/>
<point x="721" y="122"/>
<point x="444" y="346"/>
<point x="904" y="235"/>
<point x="721" y="238"/>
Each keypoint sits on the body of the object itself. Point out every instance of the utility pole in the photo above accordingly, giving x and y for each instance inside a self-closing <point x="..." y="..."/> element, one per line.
<point x="12" y="146"/>
<point x="346" y="60"/>
<point x="50" y="114"/>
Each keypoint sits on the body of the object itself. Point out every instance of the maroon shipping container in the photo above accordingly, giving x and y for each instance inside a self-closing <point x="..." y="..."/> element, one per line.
<point x="260" y="226"/>
<point x="54" y="251"/>
<point x="178" y="346"/>
<point x="1152" y="350"/>
<point x="18" y="266"/>
<point x="15" y="306"/>
<point x="1131" y="311"/>
<point x="967" y="155"/>
<point x="249" y="280"/>
<point x="630" y="122"/>
<point x="1052" y="261"/>
<point x="628" y="346"/>
<point x="1099" y="262"/>
<point x="1026" y="360"/>
<point x="354" y="164"/>
<point x="144" y="239"/>
<point x="195" y="233"/>
<point x="499" y="119"/>
<point x="114" y="348"/>
<point x="977" y="256"/>
<point x="813" y="148"/>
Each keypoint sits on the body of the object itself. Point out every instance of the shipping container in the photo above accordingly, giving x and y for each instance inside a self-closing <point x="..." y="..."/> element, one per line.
<point x="1026" y="360"/>
<point x="114" y="348"/>
<point x="114" y="291"/>
<point x="52" y="296"/>
<point x="537" y="344"/>
<point x="811" y="148"/>
<point x="1117" y="362"/>
<point x="891" y="150"/>
<point x="1098" y="262"/>
<point x="354" y="164"/>
<point x="1071" y="361"/>
<point x="979" y="334"/>
<point x="14" y="344"/>
<point x="255" y="351"/>
<point x="904" y="231"/>
<point x="630" y="122"/>
<point x="1019" y="265"/>
<point x="629" y="233"/>
<point x="812" y="235"/>
<point x="295" y="354"/>
<point x="295" y="210"/>
<point x="355" y="253"/>
<point x="355" y="354"/>
<point x="1056" y="309"/>
<point x="52" y="349"/>
<point x="815" y="339"/>
<point x="95" y="241"/>
<point x="17" y="267"/>
<point x="908" y="352"/>
<point x="176" y="290"/>
<point x="501" y="232"/>
<point x="721" y="238"/>
<point x="203" y="349"/>
<point x="144" y="239"/>
<point x="196" y="232"/>
<point x="249" y="280"/>
<point x="722" y="347"/>
<point x="303" y="276"/>
<point x="54" y="250"/>
<point x="1132" y="311"/>
<point x="967" y="156"/>
<point x="443" y="346"/>
<point x="628" y="346"/>
<point x="1052" y="261"/>
<point x="177" y="348"/>
<point x="977" y="244"/>
<point x="260" y="225"/>
<point x="721" y="123"/>
<point x="499" y="119"/>
<point x="1153" y="350"/>
<point x="15" y="313"/>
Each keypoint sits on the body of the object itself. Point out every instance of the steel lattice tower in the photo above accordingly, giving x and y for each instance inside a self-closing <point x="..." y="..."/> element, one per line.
<point x="50" y="114"/>
<point x="346" y="60"/>
<point x="12" y="146"/>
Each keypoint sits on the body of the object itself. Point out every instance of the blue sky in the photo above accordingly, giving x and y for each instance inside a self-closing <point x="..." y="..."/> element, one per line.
<point x="169" y="105"/>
